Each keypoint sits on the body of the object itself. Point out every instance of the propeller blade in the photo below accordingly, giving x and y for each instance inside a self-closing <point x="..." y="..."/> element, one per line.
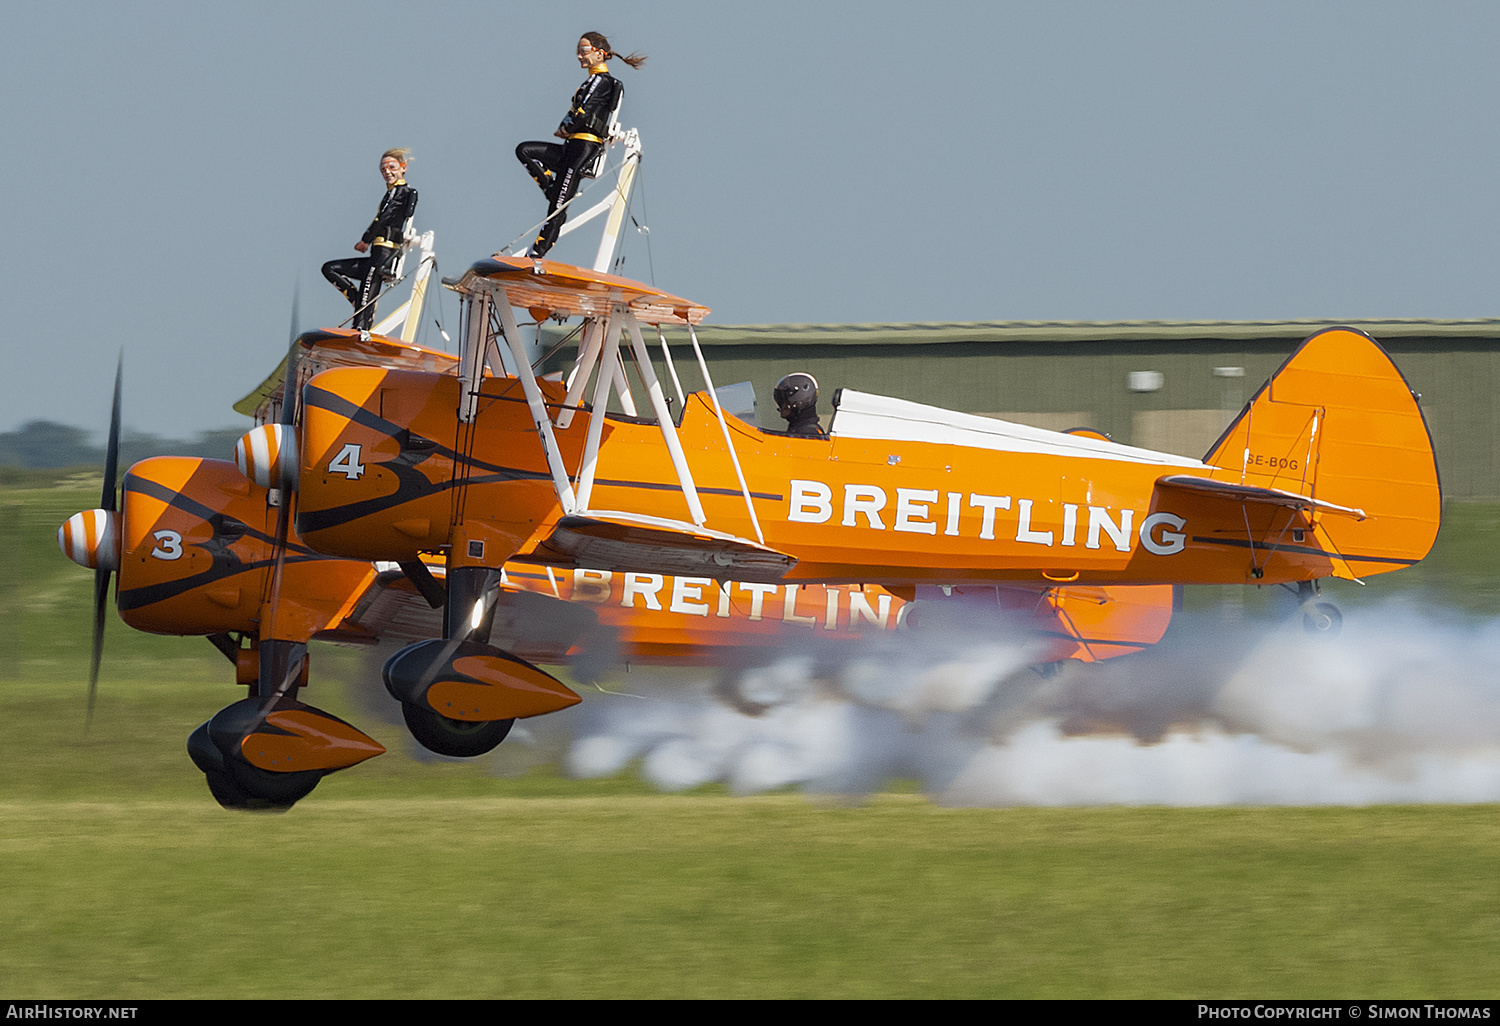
<point x="101" y="600"/>
<point x="296" y="304"/>
<point x="112" y="450"/>
<point x="291" y="398"/>
<point x="107" y="500"/>
<point x="290" y="394"/>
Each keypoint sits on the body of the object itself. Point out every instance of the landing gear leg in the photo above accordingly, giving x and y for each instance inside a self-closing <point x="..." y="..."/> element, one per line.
<point x="460" y="695"/>
<point x="469" y="614"/>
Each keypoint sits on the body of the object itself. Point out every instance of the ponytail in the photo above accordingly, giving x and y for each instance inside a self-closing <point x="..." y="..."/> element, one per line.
<point x="635" y="60"/>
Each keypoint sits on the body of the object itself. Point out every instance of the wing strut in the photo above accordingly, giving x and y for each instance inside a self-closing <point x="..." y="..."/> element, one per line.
<point x="728" y="442"/>
<point x="664" y="418"/>
<point x="512" y="332"/>
<point x="611" y="307"/>
<point x="578" y="379"/>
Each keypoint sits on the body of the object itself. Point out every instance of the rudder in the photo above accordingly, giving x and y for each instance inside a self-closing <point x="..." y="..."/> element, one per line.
<point x="1338" y="422"/>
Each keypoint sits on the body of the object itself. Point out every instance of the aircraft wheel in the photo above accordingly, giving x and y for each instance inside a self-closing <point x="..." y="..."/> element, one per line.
<point x="228" y="793"/>
<point x="1322" y="618"/>
<point x="225" y="791"/>
<point x="462" y="738"/>
<point x="264" y="790"/>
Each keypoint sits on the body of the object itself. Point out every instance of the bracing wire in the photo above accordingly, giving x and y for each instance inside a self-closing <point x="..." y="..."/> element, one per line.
<point x="646" y="229"/>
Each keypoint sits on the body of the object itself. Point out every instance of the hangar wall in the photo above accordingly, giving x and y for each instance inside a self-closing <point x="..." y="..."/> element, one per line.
<point x="1063" y="374"/>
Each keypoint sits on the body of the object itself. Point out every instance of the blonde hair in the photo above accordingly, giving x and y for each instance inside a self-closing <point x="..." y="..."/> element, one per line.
<point x="400" y="153"/>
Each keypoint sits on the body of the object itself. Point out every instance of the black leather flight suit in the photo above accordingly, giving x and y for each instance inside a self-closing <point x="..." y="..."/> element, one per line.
<point x="558" y="167"/>
<point x="805" y="424"/>
<point x="357" y="277"/>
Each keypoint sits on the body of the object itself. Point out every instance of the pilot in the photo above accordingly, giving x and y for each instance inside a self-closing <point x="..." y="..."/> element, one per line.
<point x="559" y="167"/>
<point x="796" y="398"/>
<point x="357" y="277"/>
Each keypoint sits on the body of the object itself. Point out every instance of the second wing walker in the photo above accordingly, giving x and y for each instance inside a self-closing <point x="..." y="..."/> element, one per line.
<point x="1328" y="472"/>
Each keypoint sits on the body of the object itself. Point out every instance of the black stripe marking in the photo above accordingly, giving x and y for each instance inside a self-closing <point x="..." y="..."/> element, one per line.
<point x="1306" y="550"/>
<point x="192" y="507"/>
<point x="135" y="598"/>
<point x="668" y="487"/>
<point x="309" y="521"/>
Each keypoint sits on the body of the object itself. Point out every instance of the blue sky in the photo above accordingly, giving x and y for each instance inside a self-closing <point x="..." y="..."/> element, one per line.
<point x="176" y="169"/>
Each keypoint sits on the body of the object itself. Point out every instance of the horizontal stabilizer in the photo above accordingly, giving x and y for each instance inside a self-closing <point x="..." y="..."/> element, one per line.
<point x="1251" y="493"/>
<point x="1082" y="622"/>
<point x="1105" y="622"/>
<point x="626" y="541"/>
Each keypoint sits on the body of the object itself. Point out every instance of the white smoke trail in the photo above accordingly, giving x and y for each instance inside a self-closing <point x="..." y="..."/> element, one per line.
<point x="1403" y="707"/>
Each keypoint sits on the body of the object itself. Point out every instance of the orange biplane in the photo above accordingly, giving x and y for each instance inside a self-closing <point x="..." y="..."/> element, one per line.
<point x="201" y="548"/>
<point x="1328" y="472"/>
<point x="497" y="519"/>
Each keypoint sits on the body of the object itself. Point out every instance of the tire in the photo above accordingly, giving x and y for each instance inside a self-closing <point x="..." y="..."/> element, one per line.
<point x="228" y="793"/>
<point x="271" y="791"/>
<point x="1322" y="619"/>
<point x="461" y="738"/>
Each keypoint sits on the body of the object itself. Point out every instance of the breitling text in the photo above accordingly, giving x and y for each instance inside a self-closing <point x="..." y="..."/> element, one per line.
<point x="924" y="511"/>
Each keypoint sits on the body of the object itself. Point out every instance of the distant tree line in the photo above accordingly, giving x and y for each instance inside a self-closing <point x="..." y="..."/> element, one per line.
<point x="45" y="444"/>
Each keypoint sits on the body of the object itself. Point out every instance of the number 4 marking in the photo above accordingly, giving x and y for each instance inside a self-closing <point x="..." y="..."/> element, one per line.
<point x="347" y="463"/>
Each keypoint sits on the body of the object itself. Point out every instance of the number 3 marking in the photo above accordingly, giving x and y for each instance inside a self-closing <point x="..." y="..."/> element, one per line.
<point x="169" y="545"/>
<point x="347" y="463"/>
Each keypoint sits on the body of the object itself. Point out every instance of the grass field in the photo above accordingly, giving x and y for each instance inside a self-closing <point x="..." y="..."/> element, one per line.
<point x="120" y="878"/>
<point x="708" y="896"/>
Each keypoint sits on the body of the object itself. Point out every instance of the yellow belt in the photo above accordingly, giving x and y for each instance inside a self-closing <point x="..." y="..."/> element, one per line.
<point x="387" y="243"/>
<point x="586" y="137"/>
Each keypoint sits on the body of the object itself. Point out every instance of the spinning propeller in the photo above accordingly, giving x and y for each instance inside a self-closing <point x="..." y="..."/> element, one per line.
<point x="108" y="501"/>
<point x="268" y="456"/>
<point x="286" y="464"/>
<point x="92" y="539"/>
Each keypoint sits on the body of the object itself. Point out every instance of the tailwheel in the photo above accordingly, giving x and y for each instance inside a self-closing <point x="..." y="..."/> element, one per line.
<point x="1319" y="616"/>
<point x="460" y="738"/>
<point x="1322" y="619"/>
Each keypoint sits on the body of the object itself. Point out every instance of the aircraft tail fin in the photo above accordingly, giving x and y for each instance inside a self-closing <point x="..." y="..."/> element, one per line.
<point x="1338" y="425"/>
